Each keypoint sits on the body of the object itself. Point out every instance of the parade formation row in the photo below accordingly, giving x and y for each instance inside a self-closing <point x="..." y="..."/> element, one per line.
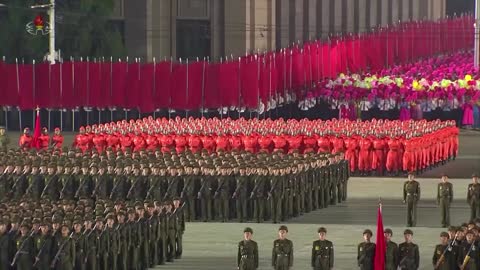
<point x="376" y="146"/>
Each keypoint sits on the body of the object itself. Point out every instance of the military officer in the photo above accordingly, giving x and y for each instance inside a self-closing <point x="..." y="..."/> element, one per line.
<point x="24" y="248"/>
<point x="322" y="252"/>
<point x="282" y="253"/>
<point x="247" y="258"/>
<point x="473" y="197"/>
<point x="444" y="199"/>
<point x="240" y="194"/>
<point x="409" y="255"/>
<point x="366" y="251"/>
<point x="391" y="256"/>
<point x="469" y="255"/>
<point x="411" y="195"/>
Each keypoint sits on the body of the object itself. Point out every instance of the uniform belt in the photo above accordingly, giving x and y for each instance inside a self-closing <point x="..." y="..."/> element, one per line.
<point x="247" y="256"/>
<point x="410" y="194"/>
<point x="282" y="255"/>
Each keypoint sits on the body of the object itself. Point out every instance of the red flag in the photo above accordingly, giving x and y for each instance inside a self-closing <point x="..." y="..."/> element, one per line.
<point x="37" y="132"/>
<point x="380" y="248"/>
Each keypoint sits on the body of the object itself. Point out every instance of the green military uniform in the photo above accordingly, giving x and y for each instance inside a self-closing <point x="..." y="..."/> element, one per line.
<point x="90" y="249"/>
<point x="79" y="240"/>
<point x="43" y="248"/>
<point x="4" y="141"/>
<point x="282" y="254"/>
<point x="247" y="258"/>
<point x="327" y="186"/>
<point x="322" y="254"/>
<point x="171" y="236"/>
<point x="51" y="189"/>
<point x="162" y="237"/>
<point x="25" y="249"/>
<point x="445" y="251"/>
<point x="391" y="256"/>
<point x="240" y="195"/>
<point x="333" y="183"/>
<point x="444" y="199"/>
<point x="366" y="255"/>
<point x="68" y="185"/>
<point x="409" y="256"/>
<point x="471" y="250"/>
<point x="5" y="248"/>
<point x="205" y="197"/>
<point x="411" y="195"/>
<point x="275" y="195"/>
<point x="134" y="235"/>
<point x="259" y="198"/>
<point x="188" y="195"/>
<point x="122" y="245"/>
<point x="66" y="254"/>
<point x="473" y="199"/>
<point x="222" y="197"/>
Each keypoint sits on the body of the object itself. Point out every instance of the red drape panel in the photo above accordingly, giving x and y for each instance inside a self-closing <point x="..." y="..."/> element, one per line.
<point x="228" y="83"/>
<point x="26" y="87"/>
<point x="146" y="88"/>
<point x="68" y="98"/>
<point x="132" y="92"/>
<point x="119" y="80"/>
<point x="94" y="85"/>
<point x="250" y="84"/>
<point x="212" y="95"/>
<point x="80" y="82"/>
<point x="161" y="94"/>
<point x="11" y="93"/>
<point x="179" y="87"/>
<point x="55" y="88"/>
<point x="42" y="85"/>
<point x="106" y="85"/>
<point x="195" y="84"/>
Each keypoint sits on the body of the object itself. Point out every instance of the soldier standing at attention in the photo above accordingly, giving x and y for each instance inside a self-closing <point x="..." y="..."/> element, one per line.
<point x="473" y="197"/>
<point x="444" y="199"/>
<point x="411" y="195"/>
<point x="391" y="257"/>
<point x="282" y="253"/>
<point x="247" y="258"/>
<point x="366" y="251"/>
<point x="409" y="255"/>
<point x="322" y="252"/>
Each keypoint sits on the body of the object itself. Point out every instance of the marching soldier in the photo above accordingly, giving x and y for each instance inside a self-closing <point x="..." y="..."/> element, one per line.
<point x="258" y="196"/>
<point x="188" y="191"/>
<point x="36" y="182"/>
<point x="473" y="197"/>
<point x="65" y="251"/>
<point x="444" y="199"/>
<point x="79" y="241"/>
<point x="247" y="258"/>
<point x="24" y="249"/>
<point x="322" y="252"/>
<point x="113" y="242"/>
<point x="204" y="194"/>
<point x="5" y="245"/>
<point x="409" y="256"/>
<point x="43" y="248"/>
<point x="51" y="190"/>
<point x="67" y="183"/>
<point x="275" y="194"/>
<point x="366" y="251"/>
<point x="411" y="195"/>
<point x="391" y="257"/>
<point x="282" y="253"/>
<point x="222" y="196"/>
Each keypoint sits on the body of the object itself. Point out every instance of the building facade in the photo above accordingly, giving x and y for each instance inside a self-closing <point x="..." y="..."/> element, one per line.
<point x="217" y="28"/>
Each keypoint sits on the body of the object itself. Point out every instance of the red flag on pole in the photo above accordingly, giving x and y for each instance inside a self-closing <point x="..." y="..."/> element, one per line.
<point x="37" y="131"/>
<point x="380" y="248"/>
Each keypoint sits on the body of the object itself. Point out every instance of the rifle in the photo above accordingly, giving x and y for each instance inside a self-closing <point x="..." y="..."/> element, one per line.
<point x="237" y="189"/>
<point x="46" y="188"/>
<point x="62" y="192"/>
<point x="88" y="236"/>
<point x="449" y="248"/>
<point x="114" y="188"/>
<point x="40" y="252"/>
<point x="254" y="191"/>
<point x="169" y="189"/>
<point x="182" y="194"/>
<point x="467" y="258"/>
<point x="15" y="257"/>
<point x="129" y="194"/>
<point x="199" y="194"/>
<point x="97" y="185"/>
<point x="272" y="189"/>
<point x="150" y="190"/>
<point x="80" y="188"/>
<point x="217" y="192"/>
<point x="57" y="256"/>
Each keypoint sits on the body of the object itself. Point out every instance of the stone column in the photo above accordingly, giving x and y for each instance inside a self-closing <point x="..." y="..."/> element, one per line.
<point x="351" y="15"/>
<point x="299" y="11"/>
<point x="312" y="19"/>
<point x="362" y="15"/>
<point x="325" y="18"/>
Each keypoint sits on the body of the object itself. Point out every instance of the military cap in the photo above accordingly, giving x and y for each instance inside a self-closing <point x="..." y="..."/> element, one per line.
<point x="25" y="224"/>
<point x="470" y="232"/>
<point x="283" y="228"/>
<point x="368" y="231"/>
<point x="248" y="229"/>
<point x="110" y="216"/>
<point x="444" y="234"/>
<point x="37" y="221"/>
<point x="388" y="230"/>
<point x="130" y="211"/>
<point x="474" y="175"/>
<point x="452" y="229"/>
<point x="408" y="231"/>
<point x="98" y="218"/>
<point x="322" y="230"/>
